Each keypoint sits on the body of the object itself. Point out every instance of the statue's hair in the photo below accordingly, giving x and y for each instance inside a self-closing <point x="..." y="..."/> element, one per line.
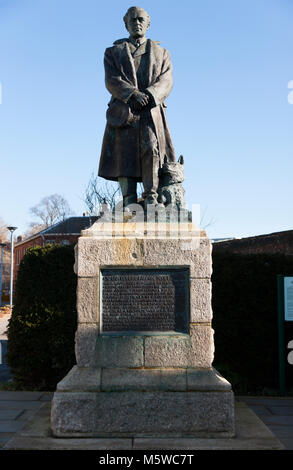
<point x="125" y="18"/>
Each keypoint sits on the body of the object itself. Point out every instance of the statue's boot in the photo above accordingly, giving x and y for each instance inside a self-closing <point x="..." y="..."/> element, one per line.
<point x="128" y="190"/>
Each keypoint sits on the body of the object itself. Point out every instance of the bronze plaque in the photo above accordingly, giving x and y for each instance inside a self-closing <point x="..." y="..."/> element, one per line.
<point x="145" y="299"/>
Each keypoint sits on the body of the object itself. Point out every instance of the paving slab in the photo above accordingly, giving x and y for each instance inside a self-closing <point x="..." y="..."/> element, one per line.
<point x="281" y="410"/>
<point x="17" y="408"/>
<point x="266" y="401"/>
<point x="19" y="405"/>
<point x="6" y="435"/>
<point x="9" y="414"/>
<point x="282" y="432"/>
<point x="25" y="414"/>
<point x="280" y="420"/>
<point x="46" y="396"/>
<point x="205" y="444"/>
<point x="10" y="425"/>
<point x="261" y="410"/>
<point x="288" y="443"/>
<point x="251" y="433"/>
<point x="3" y="441"/>
<point x="33" y="443"/>
<point x="20" y="396"/>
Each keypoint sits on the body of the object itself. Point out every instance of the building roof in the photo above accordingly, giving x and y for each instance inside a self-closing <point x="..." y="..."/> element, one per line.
<point x="70" y="226"/>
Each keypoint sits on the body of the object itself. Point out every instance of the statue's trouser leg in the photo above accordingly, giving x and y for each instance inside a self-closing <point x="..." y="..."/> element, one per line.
<point x="149" y="157"/>
<point x="128" y="190"/>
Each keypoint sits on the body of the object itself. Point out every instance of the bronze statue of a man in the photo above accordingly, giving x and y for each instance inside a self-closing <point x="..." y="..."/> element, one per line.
<point x="137" y="141"/>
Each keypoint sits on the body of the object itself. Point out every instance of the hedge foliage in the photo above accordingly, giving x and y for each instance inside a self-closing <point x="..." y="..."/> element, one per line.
<point x="44" y="320"/>
<point x="245" y="320"/>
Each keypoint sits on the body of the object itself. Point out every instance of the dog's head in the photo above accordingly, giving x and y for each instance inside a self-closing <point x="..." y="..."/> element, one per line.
<point x="173" y="172"/>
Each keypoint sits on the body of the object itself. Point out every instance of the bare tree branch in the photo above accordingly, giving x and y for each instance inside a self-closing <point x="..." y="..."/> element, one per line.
<point x="98" y="192"/>
<point x="33" y="228"/>
<point x="51" y="209"/>
<point x="205" y="224"/>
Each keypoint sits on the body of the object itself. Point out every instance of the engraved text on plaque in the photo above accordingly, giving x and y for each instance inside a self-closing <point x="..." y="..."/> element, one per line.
<point x="145" y="300"/>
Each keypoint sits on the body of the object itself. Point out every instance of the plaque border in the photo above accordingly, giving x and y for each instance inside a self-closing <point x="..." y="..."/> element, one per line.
<point x="143" y="332"/>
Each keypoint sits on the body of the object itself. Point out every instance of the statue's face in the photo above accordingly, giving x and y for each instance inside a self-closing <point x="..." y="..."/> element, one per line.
<point x="137" y="23"/>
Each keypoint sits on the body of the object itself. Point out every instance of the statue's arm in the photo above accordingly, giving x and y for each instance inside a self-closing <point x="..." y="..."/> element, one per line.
<point x="115" y="83"/>
<point x="161" y="89"/>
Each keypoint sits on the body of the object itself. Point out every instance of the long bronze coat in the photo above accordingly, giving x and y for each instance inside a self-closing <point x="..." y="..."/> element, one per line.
<point x="120" y="155"/>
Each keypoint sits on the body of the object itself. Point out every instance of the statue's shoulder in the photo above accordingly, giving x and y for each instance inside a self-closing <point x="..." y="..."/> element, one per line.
<point x="157" y="46"/>
<point x="119" y="44"/>
<point x="155" y="43"/>
<point x="124" y="40"/>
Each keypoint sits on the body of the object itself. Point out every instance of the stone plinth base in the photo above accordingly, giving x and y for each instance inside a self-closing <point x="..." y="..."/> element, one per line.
<point x="144" y="383"/>
<point x="143" y="403"/>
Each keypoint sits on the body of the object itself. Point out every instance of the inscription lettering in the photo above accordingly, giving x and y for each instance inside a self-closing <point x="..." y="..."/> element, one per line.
<point x="145" y="300"/>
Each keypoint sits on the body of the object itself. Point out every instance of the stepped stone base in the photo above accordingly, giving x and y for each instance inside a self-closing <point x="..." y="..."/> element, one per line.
<point x="144" y="383"/>
<point x="137" y="403"/>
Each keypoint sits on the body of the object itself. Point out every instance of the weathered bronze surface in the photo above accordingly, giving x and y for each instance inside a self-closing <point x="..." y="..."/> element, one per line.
<point x="137" y="141"/>
<point x="145" y="300"/>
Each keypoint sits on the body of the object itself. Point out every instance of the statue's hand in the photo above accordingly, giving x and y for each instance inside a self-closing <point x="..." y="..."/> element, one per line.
<point x="141" y="98"/>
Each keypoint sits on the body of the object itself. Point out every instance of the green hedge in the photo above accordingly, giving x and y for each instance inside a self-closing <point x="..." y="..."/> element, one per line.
<point x="245" y="319"/>
<point x="43" y="323"/>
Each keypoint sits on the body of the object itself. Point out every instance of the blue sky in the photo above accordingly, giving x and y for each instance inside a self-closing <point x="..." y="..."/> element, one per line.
<point x="228" y="112"/>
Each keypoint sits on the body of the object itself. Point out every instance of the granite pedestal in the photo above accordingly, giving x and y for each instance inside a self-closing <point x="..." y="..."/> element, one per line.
<point x="144" y="342"/>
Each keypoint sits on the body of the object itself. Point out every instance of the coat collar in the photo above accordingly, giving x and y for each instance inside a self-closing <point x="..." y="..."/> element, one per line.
<point x="138" y="43"/>
<point x="137" y="51"/>
<point x="124" y="60"/>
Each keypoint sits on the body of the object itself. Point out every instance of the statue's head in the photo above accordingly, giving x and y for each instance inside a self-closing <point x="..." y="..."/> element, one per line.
<point x="137" y="22"/>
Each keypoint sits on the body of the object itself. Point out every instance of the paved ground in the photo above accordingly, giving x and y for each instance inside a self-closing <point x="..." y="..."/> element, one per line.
<point x="276" y="414"/>
<point x="16" y="408"/>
